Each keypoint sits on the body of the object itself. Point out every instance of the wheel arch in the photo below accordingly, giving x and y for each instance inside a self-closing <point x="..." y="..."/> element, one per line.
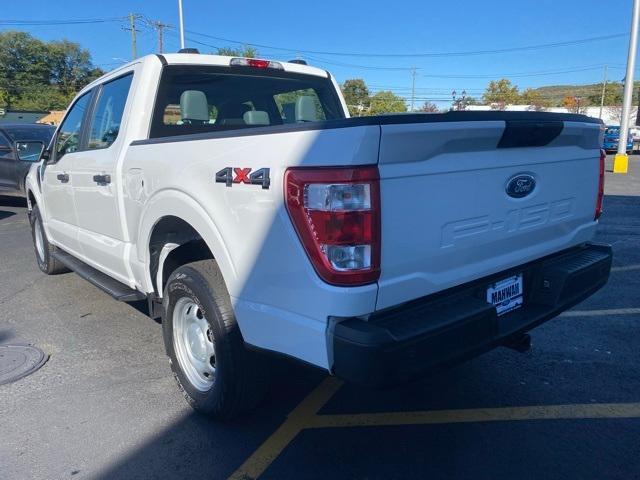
<point x="175" y="229"/>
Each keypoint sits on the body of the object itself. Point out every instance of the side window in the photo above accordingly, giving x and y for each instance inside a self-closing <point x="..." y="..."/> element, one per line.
<point x="68" y="139"/>
<point x="107" y="115"/>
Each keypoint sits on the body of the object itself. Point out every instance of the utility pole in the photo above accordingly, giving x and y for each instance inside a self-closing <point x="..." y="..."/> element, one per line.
<point x="181" y="24"/>
<point x="621" y="161"/>
<point x="132" y="28"/>
<point x="413" y="86"/>
<point x="604" y="88"/>
<point x="159" y="27"/>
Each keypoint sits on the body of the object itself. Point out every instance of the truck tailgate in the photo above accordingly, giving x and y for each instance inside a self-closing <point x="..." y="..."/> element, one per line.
<point x="447" y="215"/>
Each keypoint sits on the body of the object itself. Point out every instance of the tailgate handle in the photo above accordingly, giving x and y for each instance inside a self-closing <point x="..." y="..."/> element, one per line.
<point x="102" y="179"/>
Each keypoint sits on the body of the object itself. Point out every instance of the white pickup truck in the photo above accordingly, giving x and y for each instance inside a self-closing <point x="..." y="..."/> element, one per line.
<point x="239" y="199"/>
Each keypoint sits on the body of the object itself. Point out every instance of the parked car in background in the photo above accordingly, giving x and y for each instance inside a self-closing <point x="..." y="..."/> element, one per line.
<point x="612" y="138"/>
<point x="20" y="146"/>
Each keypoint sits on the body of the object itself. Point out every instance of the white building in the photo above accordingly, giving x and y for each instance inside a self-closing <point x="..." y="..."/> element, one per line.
<point x="610" y="115"/>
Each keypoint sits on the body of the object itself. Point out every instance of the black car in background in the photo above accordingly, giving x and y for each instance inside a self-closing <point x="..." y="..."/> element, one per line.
<point x="19" y="148"/>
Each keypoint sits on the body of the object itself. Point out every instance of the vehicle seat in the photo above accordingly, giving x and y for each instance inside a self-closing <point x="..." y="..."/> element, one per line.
<point x="306" y="109"/>
<point x="194" y="108"/>
<point x="289" y="112"/>
<point x="232" y="114"/>
<point x="256" y="117"/>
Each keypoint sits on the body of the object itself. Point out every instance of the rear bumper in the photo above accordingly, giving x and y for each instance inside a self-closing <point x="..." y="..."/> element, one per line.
<point x="428" y="334"/>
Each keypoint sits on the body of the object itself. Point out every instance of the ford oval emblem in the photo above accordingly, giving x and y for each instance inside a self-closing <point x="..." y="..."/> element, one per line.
<point x="521" y="186"/>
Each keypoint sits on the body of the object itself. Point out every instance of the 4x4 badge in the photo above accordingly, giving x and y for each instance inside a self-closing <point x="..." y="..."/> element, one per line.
<point x="230" y="175"/>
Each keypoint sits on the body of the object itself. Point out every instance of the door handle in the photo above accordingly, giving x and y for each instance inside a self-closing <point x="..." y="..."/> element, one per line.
<point x="63" y="177"/>
<point x="102" y="179"/>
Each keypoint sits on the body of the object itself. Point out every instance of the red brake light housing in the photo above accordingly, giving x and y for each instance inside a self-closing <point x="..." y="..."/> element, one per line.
<point x="598" y="213"/>
<point x="336" y="213"/>
<point x="255" y="63"/>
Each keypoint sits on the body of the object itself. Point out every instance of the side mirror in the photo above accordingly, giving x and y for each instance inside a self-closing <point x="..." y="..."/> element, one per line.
<point x="30" y="151"/>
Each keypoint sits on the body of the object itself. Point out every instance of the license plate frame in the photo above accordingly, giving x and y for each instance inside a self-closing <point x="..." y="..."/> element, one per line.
<point x="507" y="294"/>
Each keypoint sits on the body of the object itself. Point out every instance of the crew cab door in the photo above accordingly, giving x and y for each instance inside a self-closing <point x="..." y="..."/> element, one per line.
<point x="7" y="165"/>
<point x="100" y="232"/>
<point x="57" y="180"/>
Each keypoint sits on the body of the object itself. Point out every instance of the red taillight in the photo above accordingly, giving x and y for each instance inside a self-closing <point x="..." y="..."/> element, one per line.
<point x="603" y="155"/>
<point x="258" y="63"/>
<point x="255" y="63"/>
<point x="336" y="213"/>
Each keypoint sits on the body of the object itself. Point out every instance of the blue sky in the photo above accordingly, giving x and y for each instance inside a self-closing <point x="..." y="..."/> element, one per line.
<point x="402" y="27"/>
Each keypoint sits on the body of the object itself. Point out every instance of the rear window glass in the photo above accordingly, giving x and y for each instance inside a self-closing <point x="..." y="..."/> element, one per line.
<point x="197" y="99"/>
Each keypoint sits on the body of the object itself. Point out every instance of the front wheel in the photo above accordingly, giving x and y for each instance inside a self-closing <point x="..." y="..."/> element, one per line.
<point x="214" y="370"/>
<point x="47" y="263"/>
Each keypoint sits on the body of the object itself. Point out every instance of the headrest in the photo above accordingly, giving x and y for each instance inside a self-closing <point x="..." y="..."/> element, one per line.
<point x="289" y="112"/>
<point x="194" y="106"/>
<point x="306" y="109"/>
<point x="256" y="117"/>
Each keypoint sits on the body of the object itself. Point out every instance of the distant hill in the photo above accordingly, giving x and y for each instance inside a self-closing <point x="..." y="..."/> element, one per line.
<point x="555" y="93"/>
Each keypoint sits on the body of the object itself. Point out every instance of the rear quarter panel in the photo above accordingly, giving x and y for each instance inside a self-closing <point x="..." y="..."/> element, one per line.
<point x="280" y="302"/>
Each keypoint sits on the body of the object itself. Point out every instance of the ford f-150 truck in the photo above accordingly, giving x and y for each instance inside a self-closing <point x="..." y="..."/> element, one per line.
<point x="238" y="198"/>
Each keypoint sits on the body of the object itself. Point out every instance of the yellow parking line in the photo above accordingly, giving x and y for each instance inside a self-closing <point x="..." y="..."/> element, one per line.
<point x="305" y="416"/>
<point x="542" y="412"/>
<point x="597" y="313"/>
<point x="626" y="268"/>
<point x="297" y="420"/>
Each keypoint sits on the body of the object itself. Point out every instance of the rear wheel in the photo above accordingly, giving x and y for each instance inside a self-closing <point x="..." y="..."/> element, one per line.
<point x="44" y="250"/>
<point x="217" y="374"/>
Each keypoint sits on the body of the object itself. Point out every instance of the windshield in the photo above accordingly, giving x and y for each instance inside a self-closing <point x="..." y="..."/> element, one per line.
<point x="197" y="99"/>
<point x="612" y="131"/>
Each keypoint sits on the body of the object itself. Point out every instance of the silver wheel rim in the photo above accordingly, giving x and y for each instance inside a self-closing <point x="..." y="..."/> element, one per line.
<point x="193" y="344"/>
<point x="39" y="240"/>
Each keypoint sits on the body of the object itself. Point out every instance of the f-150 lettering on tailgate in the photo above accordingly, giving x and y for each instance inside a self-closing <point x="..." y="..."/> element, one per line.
<point x="473" y="229"/>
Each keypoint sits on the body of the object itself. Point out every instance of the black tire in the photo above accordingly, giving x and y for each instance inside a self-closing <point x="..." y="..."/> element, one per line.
<point x="241" y="376"/>
<point x="46" y="262"/>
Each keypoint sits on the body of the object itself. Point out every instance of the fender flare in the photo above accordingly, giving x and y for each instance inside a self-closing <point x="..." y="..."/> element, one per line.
<point x="179" y="204"/>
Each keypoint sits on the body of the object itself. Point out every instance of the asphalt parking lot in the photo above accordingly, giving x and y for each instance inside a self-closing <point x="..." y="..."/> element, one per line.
<point x="106" y="406"/>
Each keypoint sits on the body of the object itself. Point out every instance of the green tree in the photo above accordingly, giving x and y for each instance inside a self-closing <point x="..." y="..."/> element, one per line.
<point x="245" y="51"/>
<point x="70" y="66"/>
<point x="23" y="65"/>
<point x="501" y="92"/>
<point x="386" y="102"/>
<point x="534" y="98"/>
<point x="612" y="94"/>
<point x="356" y="95"/>
<point x="41" y="75"/>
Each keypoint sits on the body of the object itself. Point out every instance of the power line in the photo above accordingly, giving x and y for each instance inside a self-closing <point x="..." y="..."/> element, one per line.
<point x="78" y="21"/>
<point x="429" y="54"/>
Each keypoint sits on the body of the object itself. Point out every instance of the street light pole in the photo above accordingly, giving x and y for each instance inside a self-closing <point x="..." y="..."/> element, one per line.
<point x="181" y="24"/>
<point x="621" y="162"/>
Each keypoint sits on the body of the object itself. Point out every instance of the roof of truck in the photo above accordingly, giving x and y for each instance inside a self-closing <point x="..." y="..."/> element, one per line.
<point x="220" y="60"/>
<point x="201" y="59"/>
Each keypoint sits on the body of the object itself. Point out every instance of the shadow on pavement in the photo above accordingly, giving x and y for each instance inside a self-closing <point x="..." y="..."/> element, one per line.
<point x="197" y="447"/>
<point x="5" y="335"/>
<point x="4" y="214"/>
<point x="8" y="201"/>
